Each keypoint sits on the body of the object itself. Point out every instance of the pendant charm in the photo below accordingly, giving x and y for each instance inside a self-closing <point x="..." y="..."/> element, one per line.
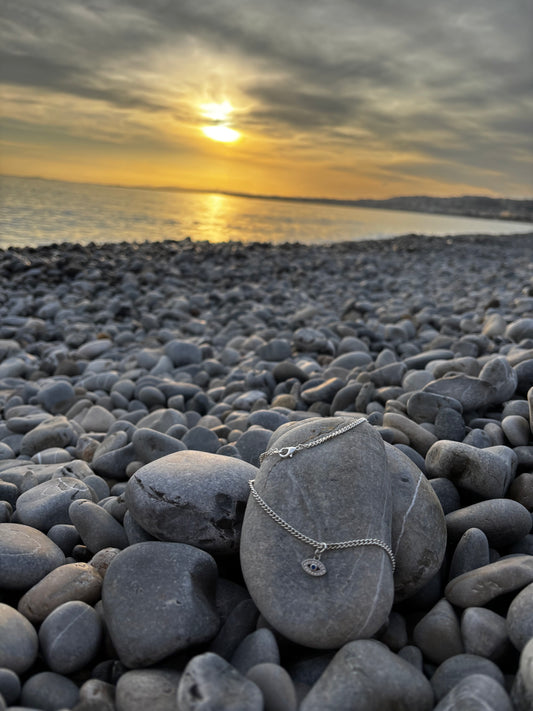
<point x="313" y="566"/>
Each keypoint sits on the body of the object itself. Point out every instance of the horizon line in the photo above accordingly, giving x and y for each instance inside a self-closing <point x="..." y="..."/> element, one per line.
<point x="263" y="196"/>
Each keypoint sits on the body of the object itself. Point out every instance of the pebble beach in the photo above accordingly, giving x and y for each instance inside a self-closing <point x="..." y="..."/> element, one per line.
<point x="139" y="385"/>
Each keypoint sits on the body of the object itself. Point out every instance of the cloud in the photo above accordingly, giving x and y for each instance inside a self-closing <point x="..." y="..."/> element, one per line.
<point x="446" y="81"/>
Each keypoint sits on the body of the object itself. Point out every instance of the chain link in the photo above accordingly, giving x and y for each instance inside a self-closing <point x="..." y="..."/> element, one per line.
<point x="289" y="451"/>
<point x="320" y="546"/>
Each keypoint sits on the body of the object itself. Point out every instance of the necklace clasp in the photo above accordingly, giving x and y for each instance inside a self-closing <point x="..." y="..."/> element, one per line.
<point x="287" y="452"/>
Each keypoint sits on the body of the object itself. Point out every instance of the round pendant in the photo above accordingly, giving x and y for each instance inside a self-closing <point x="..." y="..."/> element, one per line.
<point x="312" y="566"/>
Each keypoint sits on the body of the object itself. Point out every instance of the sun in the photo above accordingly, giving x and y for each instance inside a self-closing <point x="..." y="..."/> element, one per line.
<point x="224" y="134"/>
<point x="219" y="129"/>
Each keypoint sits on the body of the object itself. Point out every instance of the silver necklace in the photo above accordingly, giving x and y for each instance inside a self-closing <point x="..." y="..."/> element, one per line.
<point x="314" y="566"/>
<point x="285" y="452"/>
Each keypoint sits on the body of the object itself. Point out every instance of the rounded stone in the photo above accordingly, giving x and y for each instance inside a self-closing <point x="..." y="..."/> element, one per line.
<point x="97" y="419"/>
<point x="420" y="439"/>
<point x="447" y="494"/>
<point x="365" y="674"/>
<point x="484" y="633"/>
<point x="503" y="521"/>
<point x="18" y="640"/>
<point x="102" y="560"/>
<point x="324" y="392"/>
<point x="56" y="396"/>
<point x="158" y="599"/>
<point x="418" y="530"/>
<point x="192" y="497"/>
<point x="96" y="695"/>
<point x="218" y="684"/>
<point x="276" y="686"/>
<point x="476" y="692"/>
<point x="73" y="581"/>
<point x="277" y="349"/>
<point x="6" y="511"/>
<point x="257" y="647"/>
<point x="478" y="587"/>
<point x="449" y="424"/>
<point x="522" y="691"/>
<point x="98" y="529"/>
<point x="49" y="691"/>
<point x="9" y="685"/>
<point x="395" y="634"/>
<point x="470" y="553"/>
<point x="26" y="556"/>
<point x="457" y="668"/>
<point x="240" y="622"/>
<point x="142" y="689"/>
<point x="201" y="439"/>
<point x="267" y="419"/>
<point x="152" y="396"/>
<point x="438" y="633"/>
<point x="520" y="329"/>
<point x="487" y="472"/>
<point x="424" y="407"/>
<point x="521" y="490"/>
<point x="65" y="536"/>
<point x="70" y="636"/>
<point x="182" y="352"/>
<point x="516" y="429"/>
<point x="253" y="443"/>
<point x="150" y="444"/>
<point x="55" y="432"/>
<point x="520" y="619"/>
<point x="47" y="504"/>
<point x="337" y="491"/>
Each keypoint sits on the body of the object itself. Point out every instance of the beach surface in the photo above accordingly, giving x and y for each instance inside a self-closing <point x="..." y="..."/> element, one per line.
<point x="139" y="385"/>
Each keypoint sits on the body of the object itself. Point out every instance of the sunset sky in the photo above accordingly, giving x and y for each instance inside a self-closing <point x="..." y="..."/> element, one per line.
<point x="320" y="98"/>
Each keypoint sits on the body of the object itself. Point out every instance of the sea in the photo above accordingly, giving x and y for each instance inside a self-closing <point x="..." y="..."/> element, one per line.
<point x="35" y="212"/>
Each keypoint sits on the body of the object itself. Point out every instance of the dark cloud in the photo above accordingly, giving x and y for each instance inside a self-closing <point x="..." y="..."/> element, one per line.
<point x="24" y="70"/>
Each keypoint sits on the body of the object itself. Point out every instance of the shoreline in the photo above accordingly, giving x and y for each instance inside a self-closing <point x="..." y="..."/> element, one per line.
<point x="401" y="241"/>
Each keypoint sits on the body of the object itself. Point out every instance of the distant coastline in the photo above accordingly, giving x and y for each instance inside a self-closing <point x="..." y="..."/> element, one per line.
<point x="475" y="206"/>
<point x="464" y="206"/>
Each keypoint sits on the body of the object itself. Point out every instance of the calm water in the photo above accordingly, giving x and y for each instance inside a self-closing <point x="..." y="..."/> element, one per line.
<point x="34" y="212"/>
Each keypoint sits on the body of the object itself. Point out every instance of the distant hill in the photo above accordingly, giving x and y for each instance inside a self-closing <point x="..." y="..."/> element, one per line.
<point x="467" y="205"/>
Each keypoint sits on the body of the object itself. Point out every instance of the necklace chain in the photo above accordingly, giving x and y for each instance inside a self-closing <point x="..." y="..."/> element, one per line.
<point x="285" y="452"/>
<point x="314" y="566"/>
<point x="319" y="546"/>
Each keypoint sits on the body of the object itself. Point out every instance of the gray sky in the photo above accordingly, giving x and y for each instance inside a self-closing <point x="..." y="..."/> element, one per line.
<point x="339" y="98"/>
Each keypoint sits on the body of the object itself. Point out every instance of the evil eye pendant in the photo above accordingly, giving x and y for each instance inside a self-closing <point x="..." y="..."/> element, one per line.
<point x="312" y="566"/>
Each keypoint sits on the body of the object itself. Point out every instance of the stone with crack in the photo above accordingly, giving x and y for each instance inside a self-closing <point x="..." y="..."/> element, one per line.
<point x="192" y="497"/>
